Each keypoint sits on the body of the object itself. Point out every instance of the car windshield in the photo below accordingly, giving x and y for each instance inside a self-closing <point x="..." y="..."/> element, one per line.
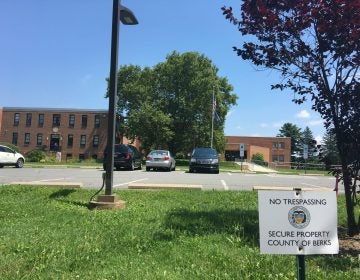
<point x="204" y="152"/>
<point x="159" y="153"/>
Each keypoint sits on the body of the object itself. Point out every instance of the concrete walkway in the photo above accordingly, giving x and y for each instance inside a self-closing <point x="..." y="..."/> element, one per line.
<point x="256" y="168"/>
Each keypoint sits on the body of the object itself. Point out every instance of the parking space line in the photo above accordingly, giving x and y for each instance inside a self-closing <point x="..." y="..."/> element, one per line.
<point x="229" y="173"/>
<point x="124" y="184"/>
<point x="226" y="188"/>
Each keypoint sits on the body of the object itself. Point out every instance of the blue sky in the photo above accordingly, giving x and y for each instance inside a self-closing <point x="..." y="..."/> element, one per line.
<point x="57" y="54"/>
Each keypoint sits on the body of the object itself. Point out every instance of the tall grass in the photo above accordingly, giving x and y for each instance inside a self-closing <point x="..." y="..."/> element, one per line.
<point x="51" y="234"/>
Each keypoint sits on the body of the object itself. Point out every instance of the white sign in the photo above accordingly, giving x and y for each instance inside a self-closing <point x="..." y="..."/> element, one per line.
<point x="306" y="151"/>
<point x="298" y="223"/>
<point x="242" y="150"/>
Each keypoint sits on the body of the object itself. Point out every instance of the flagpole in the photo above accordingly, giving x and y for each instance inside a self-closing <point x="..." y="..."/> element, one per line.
<point x="212" y="118"/>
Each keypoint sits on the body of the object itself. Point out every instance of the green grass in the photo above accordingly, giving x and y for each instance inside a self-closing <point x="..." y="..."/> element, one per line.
<point x="49" y="233"/>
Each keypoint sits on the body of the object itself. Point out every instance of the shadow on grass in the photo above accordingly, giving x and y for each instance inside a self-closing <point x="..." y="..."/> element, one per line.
<point x="240" y="223"/>
<point x="61" y="194"/>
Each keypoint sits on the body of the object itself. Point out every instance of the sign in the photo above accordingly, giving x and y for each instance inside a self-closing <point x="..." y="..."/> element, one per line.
<point x="306" y="151"/>
<point x="242" y="150"/>
<point x="298" y="222"/>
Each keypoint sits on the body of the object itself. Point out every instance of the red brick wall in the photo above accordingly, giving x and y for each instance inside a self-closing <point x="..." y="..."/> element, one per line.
<point x="7" y="128"/>
<point x="233" y="142"/>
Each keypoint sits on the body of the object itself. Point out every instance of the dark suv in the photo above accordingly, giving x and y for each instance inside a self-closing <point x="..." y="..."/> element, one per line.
<point x="204" y="159"/>
<point x="125" y="156"/>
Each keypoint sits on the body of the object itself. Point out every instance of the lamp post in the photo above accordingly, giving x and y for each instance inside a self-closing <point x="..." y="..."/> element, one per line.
<point x="125" y="15"/>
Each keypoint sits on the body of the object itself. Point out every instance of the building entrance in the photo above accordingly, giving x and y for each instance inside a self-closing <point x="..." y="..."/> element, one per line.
<point x="55" y="142"/>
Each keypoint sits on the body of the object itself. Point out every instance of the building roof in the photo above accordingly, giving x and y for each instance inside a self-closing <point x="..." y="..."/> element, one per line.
<point x="29" y="109"/>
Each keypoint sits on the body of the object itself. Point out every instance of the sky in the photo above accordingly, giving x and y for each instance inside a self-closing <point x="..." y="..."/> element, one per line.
<point x="56" y="54"/>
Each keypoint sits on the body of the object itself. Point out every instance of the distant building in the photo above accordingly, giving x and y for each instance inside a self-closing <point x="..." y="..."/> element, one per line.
<point x="274" y="149"/>
<point x="76" y="133"/>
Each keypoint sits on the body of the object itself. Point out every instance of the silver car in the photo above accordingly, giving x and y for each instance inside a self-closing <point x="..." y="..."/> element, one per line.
<point x="160" y="159"/>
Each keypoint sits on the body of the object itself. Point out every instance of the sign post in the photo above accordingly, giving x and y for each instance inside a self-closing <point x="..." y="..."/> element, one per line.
<point x="306" y="154"/>
<point x="242" y="153"/>
<point x="298" y="223"/>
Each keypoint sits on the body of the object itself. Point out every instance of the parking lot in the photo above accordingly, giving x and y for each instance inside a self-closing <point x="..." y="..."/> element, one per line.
<point x="92" y="178"/>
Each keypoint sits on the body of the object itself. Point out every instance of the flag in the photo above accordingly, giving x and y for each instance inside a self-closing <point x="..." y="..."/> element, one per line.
<point x="214" y="113"/>
<point x="217" y="118"/>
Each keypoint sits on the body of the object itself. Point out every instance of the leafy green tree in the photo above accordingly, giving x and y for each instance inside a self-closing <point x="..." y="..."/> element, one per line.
<point x="315" y="47"/>
<point x="328" y="152"/>
<point x="307" y="138"/>
<point x="170" y="104"/>
<point x="294" y="132"/>
<point x="258" y="157"/>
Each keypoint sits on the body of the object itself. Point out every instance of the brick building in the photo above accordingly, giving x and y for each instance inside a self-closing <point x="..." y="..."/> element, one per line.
<point x="274" y="149"/>
<point x="76" y="133"/>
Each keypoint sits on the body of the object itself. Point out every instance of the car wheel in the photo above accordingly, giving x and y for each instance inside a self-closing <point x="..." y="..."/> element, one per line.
<point x="104" y="166"/>
<point x="117" y="168"/>
<point x="169" y="169"/>
<point x="20" y="163"/>
<point x="132" y="167"/>
<point x="147" y="168"/>
<point x="140" y="165"/>
<point x="173" y="169"/>
<point x="1" y="166"/>
<point x="191" y="171"/>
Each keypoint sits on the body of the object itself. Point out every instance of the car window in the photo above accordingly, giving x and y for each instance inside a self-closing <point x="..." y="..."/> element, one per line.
<point x="2" y="149"/>
<point x="121" y="149"/>
<point x="204" y="152"/>
<point x="159" y="153"/>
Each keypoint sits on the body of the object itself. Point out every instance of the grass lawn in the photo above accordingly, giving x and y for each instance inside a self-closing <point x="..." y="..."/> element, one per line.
<point x="49" y="233"/>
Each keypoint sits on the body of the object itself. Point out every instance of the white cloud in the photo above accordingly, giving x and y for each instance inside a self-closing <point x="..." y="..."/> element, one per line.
<point x="303" y="114"/>
<point x="315" y="122"/>
<point x="263" y="125"/>
<point x="277" y="124"/>
<point x="319" y="139"/>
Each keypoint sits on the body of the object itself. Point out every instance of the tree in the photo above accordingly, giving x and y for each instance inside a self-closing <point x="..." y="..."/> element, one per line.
<point x="328" y="151"/>
<point x="294" y="132"/>
<point x="258" y="158"/>
<point x="315" y="45"/>
<point x="170" y="105"/>
<point x="307" y="138"/>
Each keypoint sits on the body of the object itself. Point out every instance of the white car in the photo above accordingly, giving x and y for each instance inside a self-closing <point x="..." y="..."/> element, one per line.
<point x="10" y="157"/>
<point x="160" y="159"/>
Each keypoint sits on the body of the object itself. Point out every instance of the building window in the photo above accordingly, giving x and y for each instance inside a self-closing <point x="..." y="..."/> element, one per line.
<point x="41" y="120"/>
<point x="70" y="140"/>
<point x="15" y="137"/>
<point x="281" y="158"/>
<point x="28" y="119"/>
<point x="16" y="119"/>
<point x="71" y="120"/>
<point x="81" y="156"/>
<point x="82" y="141"/>
<point x="275" y="158"/>
<point x="97" y="121"/>
<point x="39" y="139"/>
<point x="281" y="145"/>
<point x="56" y="120"/>
<point x="27" y="139"/>
<point x="84" y="121"/>
<point x="275" y="145"/>
<point x="96" y="141"/>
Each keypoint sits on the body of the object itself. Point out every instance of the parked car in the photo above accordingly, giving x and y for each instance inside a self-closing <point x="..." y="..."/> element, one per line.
<point x="160" y="159"/>
<point x="204" y="159"/>
<point x="125" y="156"/>
<point x="10" y="157"/>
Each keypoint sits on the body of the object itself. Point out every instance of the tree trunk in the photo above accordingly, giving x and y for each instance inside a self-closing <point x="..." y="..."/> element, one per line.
<point x="352" y="227"/>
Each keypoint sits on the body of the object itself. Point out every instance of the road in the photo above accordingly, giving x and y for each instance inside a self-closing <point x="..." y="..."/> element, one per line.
<point x="92" y="178"/>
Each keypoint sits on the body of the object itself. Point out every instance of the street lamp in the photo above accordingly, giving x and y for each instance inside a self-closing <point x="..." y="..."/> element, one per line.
<point x="125" y="15"/>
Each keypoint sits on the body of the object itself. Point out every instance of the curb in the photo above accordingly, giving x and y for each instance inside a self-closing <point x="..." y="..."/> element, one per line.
<point x="142" y="186"/>
<point x="67" y="185"/>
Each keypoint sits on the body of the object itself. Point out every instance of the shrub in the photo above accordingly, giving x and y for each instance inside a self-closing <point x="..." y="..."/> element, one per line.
<point x="35" y="156"/>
